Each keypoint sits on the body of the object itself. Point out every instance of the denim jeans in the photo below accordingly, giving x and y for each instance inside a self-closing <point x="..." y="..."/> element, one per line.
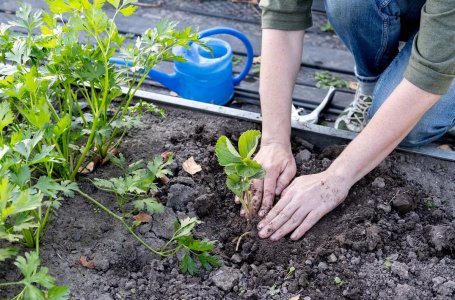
<point x="372" y="31"/>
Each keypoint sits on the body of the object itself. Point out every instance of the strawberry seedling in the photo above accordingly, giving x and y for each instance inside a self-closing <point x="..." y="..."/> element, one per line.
<point x="240" y="168"/>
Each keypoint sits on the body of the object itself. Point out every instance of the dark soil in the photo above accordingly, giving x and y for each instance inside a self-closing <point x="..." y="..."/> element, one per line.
<point x="393" y="237"/>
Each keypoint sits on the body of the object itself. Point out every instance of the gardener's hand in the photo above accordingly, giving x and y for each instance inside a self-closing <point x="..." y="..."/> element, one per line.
<point x="307" y="199"/>
<point x="279" y="165"/>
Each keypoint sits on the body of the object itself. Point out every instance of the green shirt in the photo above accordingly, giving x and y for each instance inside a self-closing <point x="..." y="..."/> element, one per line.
<point x="432" y="63"/>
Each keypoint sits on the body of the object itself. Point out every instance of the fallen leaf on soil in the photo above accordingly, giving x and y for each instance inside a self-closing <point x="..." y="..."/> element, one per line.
<point x="143" y="217"/>
<point x="90" y="166"/>
<point x="89" y="264"/>
<point x="444" y="147"/>
<point x="256" y="60"/>
<point x="191" y="167"/>
<point x="353" y="85"/>
<point x="164" y="180"/>
<point x="295" y="297"/>
<point x="114" y="152"/>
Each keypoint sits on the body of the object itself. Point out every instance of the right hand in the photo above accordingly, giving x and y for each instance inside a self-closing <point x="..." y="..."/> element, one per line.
<point x="280" y="168"/>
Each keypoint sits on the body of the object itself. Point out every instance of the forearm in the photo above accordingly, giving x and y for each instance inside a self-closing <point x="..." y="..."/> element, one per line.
<point x="280" y="62"/>
<point x="390" y="125"/>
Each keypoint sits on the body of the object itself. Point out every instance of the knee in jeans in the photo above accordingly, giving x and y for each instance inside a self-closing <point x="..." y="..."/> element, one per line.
<point x="422" y="134"/>
<point x="345" y="13"/>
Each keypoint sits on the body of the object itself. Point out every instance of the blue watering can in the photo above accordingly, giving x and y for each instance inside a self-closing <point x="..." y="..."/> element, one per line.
<point x="205" y="76"/>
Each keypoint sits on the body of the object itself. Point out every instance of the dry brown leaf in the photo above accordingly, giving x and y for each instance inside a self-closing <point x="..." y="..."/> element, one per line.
<point x="297" y="297"/>
<point x="191" y="167"/>
<point x="90" y="166"/>
<point x="89" y="264"/>
<point x="353" y="85"/>
<point x="143" y="217"/>
<point x="164" y="180"/>
<point x="256" y="60"/>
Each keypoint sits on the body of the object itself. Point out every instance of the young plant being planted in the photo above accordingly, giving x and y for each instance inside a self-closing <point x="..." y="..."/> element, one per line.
<point x="240" y="168"/>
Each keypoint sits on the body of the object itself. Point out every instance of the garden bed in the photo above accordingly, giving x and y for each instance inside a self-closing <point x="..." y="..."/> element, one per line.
<point x="393" y="237"/>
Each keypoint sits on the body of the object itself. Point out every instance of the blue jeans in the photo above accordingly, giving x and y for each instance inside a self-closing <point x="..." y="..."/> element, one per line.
<point x="372" y="30"/>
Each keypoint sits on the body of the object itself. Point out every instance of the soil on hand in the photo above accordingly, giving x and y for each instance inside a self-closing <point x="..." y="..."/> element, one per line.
<point x="392" y="238"/>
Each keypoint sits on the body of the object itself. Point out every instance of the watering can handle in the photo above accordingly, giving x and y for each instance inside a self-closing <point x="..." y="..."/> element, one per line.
<point x="241" y="37"/>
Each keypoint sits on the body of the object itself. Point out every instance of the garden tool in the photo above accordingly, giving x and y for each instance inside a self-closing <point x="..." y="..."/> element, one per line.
<point x="204" y="76"/>
<point x="313" y="117"/>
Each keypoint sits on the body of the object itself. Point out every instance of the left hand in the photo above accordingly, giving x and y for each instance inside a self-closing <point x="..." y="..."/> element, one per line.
<point x="303" y="203"/>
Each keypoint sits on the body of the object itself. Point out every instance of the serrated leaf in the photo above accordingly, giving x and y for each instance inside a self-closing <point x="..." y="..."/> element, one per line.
<point x="188" y="265"/>
<point x="128" y="11"/>
<point x="248" y="143"/>
<point x="250" y="169"/>
<point x="114" y="3"/>
<point x="6" y="115"/>
<point x="58" y="293"/>
<point x="62" y="125"/>
<point x="201" y="245"/>
<point x="226" y="153"/>
<point x="150" y="205"/>
<point x="21" y="176"/>
<point x="208" y="261"/>
<point x="32" y="292"/>
<point x="186" y="226"/>
<point x="6" y="253"/>
<point x="236" y="185"/>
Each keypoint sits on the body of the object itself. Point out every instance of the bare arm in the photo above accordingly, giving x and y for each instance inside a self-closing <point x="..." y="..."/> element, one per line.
<point x="390" y="125"/>
<point x="280" y="63"/>
<point x="310" y="197"/>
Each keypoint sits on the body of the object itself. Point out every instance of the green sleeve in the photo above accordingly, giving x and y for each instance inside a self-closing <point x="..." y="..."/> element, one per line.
<point x="286" y="14"/>
<point x="432" y="63"/>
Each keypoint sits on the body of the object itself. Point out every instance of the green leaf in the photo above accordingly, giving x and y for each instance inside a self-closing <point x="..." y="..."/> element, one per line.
<point x="250" y="169"/>
<point x="208" y="261"/>
<point x="22" y="176"/>
<point x="62" y="125"/>
<point x="58" y="6"/>
<point x="6" y="115"/>
<point x="186" y="226"/>
<point x="6" y="253"/>
<point x="236" y="185"/>
<point x="150" y="205"/>
<point x="128" y="11"/>
<point x="114" y="3"/>
<point x="201" y="245"/>
<point x="226" y="153"/>
<point x="32" y="292"/>
<point x="58" y="293"/>
<point x="248" y="142"/>
<point x="188" y="265"/>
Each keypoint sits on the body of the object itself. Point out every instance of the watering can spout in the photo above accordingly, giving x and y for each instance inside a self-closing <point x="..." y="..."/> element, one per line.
<point x="168" y="80"/>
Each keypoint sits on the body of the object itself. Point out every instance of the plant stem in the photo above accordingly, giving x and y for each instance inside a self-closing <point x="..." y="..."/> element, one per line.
<point x="87" y="148"/>
<point x="115" y="216"/>
<point x="10" y="283"/>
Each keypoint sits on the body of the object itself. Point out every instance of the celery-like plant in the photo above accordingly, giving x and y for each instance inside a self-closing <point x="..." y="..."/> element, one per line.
<point x="135" y="187"/>
<point x="239" y="167"/>
<point x="59" y="79"/>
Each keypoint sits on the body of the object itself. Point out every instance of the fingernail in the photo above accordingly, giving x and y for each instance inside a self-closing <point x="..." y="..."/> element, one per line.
<point x="260" y="225"/>
<point x="261" y="213"/>
<point x="278" y="191"/>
